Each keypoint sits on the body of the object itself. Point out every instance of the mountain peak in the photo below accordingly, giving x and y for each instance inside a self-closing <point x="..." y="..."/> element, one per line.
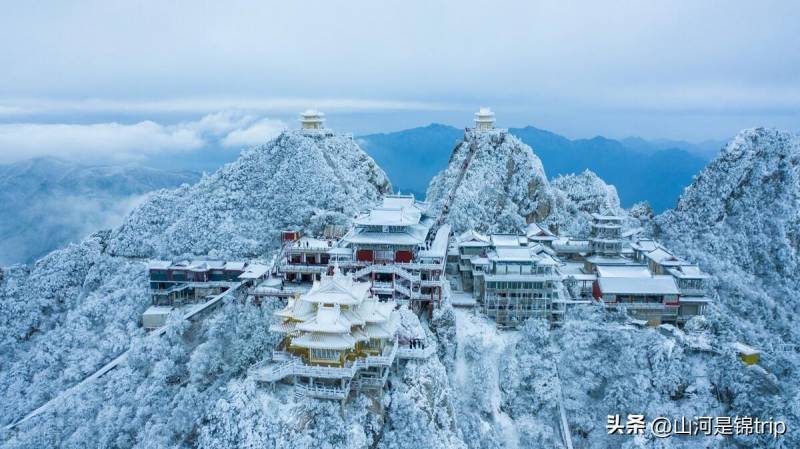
<point x="298" y="178"/>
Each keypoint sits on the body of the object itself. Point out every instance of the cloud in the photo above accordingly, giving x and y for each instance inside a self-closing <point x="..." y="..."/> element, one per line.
<point x="116" y="142"/>
<point x="101" y="140"/>
<point x="256" y="133"/>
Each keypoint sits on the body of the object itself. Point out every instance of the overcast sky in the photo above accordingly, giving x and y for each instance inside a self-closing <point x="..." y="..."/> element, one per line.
<point x="88" y="78"/>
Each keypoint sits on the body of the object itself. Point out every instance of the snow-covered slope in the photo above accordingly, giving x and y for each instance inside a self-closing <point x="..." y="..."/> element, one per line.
<point x="294" y="181"/>
<point x="746" y="202"/>
<point x="493" y="182"/>
<point x="79" y="307"/>
<point x="577" y="197"/>
<point x="47" y="202"/>
<point x="504" y="187"/>
<point x="740" y="219"/>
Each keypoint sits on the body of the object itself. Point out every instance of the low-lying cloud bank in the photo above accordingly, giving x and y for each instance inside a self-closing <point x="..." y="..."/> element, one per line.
<point x="118" y="142"/>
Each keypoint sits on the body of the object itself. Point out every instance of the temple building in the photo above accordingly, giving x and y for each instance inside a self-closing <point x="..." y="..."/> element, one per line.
<point x="336" y="337"/>
<point x="519" y="283"/>
<point x="175" y="284"/>
<point x="511" y="277"/>
<point x="484" y="119"/>
<point x="606" y="235"/>
<point x="312" y="119"/>
<point x="396" y="248"/>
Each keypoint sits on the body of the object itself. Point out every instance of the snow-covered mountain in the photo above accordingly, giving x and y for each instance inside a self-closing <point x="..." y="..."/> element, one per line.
<point x="297" y="180"/>
<point x="642" y="170"/>
<point x="495" y="183"/>
<point x="49" y="202"/>
<point x="740" y="220"/>
<point x="78" y="307"/>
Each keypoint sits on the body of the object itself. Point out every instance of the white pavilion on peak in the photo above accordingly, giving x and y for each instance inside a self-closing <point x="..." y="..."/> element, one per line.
<point x="484" y="119"/>
<point x="337" y="337"/>
<point x="312" y="119"/>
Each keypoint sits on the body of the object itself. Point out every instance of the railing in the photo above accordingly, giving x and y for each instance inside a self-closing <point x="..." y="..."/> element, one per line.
<point x="688" y="291"/>
<point x="292" y="365"/>
<point x="279" y="356"/>
<point x="382" y="360"/>
<point x="302" y="268"/>
<point x="416" y="353"/>
<point x="392" y="268"/>
<point x="369" y="382"/>
<point x="431" y="283"/>
<point x="383" y="286"/>
<point x="639" y="305"/>
<point x="321" y="392"/>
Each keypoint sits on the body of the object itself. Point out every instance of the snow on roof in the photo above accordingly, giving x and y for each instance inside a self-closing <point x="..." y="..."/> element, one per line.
<point x="312" y="113"/>
<point x="472" y="236"/>
<point x="396" y="210"/>
<point x="655" y="285"/>
<point x="383" y="216"/>
<point x="438" y="247"/>
<point x="478" y="260"/>
<point x="157" y="311"/>
<point x="499" y="240"/>
<point x="601" y="217"/>
<point x="608" y="260"/>
<point x="664" y="257"/>
<point x="158" y="264"/>
<point x="389" y="238"/>
<point x="255" y="271"/>
<point x="399" y="201"/>
<point x="235" y="266"/>
<point x="546" y="260"/>
<point x="311" y="243"/>
<point x="566" y="244"/>
<point x="745" y="349"/>
<point x="510" y="254"/>
<point x="696" y="299"/>
<point x="337" y="289"/>
<point x="198" y="265"/>
<point x="623" y="271"/>
<point x="688" y="272"/>
<point x="632" y="232"/>
<point x="536" y="232"/>
<point x="374" y="311"/>
<point x="328" y="319"/>
<point x="313" y="340"/>
<point x="644" y="245"/>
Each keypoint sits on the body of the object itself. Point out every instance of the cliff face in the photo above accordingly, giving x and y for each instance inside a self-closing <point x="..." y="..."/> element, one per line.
<point x="296" y="180"/>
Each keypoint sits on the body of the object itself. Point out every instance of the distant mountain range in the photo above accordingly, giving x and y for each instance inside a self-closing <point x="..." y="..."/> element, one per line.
<point x="641" y="170"/>
<point x="49" y="202"/>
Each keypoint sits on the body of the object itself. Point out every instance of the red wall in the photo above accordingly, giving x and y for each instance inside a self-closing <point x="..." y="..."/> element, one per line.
<point x="366" y="255"/>
<point x="289" y="236"/>
<point x="402" y="256"/>
<point x="596" y="291"/>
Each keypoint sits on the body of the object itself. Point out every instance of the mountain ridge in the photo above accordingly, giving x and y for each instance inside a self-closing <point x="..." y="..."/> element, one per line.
<point x="638" y="175"/>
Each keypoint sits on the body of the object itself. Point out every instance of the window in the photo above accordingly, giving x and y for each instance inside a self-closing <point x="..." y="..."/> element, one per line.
<point x="325" y="354"/>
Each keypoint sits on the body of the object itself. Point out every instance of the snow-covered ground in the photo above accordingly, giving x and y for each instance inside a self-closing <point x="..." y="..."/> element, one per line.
<point x="474" y="332"/>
